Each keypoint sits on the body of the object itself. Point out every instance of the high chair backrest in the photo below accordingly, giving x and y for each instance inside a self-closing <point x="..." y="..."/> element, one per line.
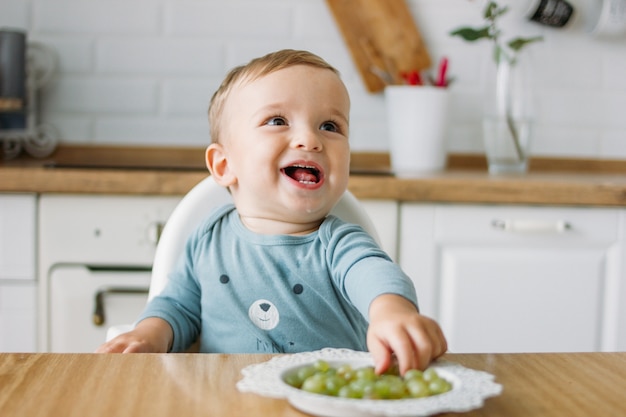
<point x="198" y="203"/>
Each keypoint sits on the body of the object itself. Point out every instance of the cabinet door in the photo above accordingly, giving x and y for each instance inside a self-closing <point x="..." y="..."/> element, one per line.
<point x="17" y="236"/>
<point x="615" y="328"/>
<point x="384" y="215"/>
<point x="521" y="299"/>
<point x="18" y="314"/>
<point x="18" y="308"/>
<point x="512" y="279"/>
<point x="84" y="302"/>
<point x="417" y="253"/>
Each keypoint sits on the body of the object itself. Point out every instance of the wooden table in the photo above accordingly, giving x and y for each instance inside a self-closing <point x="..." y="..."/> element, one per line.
<point x="91" y="385"/>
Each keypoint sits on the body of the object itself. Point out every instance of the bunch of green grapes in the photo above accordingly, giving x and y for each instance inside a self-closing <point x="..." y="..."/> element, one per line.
<point x="347" y="382"/>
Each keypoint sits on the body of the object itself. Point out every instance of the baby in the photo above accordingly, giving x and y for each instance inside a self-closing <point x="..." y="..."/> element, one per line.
<point x="275" y="272"/>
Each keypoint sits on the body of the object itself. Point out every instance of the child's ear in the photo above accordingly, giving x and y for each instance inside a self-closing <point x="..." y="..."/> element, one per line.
<point x="217" y="163"/>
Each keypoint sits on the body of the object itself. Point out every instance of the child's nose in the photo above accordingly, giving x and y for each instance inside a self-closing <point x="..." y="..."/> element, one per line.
<point x="307" y="139"/>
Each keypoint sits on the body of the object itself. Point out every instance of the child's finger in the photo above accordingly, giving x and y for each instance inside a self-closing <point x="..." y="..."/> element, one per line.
<point x="421" y="352"/>
<point x="404" y="348"/>
<point x="443" y="343"/>
<point x="380" y="353"/>
<point x="407" y="353"/>
<point x="430" y="343"/>
<point x="438" y="340"/>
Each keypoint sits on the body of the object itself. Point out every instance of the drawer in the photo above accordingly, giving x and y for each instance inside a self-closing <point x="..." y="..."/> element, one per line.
<point x="101" y="229"/>
<point x="489" y="224"/>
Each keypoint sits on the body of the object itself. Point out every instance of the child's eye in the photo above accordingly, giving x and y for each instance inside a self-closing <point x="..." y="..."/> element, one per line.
<point x="276" y="121"/>
<point x="330" y="126"/>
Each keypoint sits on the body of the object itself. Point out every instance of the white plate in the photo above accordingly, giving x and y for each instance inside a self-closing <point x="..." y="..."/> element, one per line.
<point x="469" y="388"/>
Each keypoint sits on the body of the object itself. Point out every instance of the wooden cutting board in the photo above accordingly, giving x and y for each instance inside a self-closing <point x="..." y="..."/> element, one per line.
<point x="380" y="34"/>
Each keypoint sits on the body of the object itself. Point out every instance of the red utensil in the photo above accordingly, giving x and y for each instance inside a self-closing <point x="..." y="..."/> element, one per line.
<point x="412" y="77"/>
<point x="441" y="76"/>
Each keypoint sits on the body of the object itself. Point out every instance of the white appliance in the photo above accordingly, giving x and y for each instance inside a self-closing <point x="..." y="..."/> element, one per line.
<point x="95" y="256"/>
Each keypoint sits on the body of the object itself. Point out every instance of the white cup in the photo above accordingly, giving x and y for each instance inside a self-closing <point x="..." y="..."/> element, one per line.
<point x="610" y="18"/>
<point x="417" y="119"/>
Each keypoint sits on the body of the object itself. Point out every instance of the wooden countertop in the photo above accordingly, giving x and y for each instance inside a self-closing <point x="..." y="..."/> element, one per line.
<point x="166" y="171"/>
<point x="94" y="385"/>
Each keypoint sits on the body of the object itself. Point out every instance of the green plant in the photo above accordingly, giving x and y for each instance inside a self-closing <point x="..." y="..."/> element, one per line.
<point x="491" y="32"/>
<point x="501" y="52"/>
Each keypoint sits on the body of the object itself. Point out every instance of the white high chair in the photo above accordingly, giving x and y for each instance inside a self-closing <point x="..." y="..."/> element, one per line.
<point x="195" y="207"/>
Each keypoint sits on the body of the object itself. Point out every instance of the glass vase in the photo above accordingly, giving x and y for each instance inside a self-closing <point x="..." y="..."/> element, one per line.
<point x="508" y="119"/>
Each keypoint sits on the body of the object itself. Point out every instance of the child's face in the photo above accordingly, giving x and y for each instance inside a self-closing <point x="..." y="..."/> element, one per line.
<point x="285" y="145"/>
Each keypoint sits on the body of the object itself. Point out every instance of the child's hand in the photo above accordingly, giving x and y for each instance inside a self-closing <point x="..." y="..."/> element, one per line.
<point x="151" y="335"/>
<point x="397" y="328"/>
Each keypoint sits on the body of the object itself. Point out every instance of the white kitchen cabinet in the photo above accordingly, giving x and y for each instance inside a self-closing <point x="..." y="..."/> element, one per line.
<point x="18" y="291"/>
<point x="384" y="215"/>
<point x="513" y="278"/>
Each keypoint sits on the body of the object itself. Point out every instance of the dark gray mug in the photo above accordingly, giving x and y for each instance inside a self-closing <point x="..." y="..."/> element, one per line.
<point x="555" y="13"/>
<point x="13" y="89"/>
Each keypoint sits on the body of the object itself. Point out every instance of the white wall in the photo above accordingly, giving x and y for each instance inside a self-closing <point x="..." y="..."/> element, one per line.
<point x="142" y="71"/>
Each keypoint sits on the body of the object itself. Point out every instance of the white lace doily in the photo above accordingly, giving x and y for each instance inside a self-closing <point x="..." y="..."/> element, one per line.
<point x="469" y="387"/>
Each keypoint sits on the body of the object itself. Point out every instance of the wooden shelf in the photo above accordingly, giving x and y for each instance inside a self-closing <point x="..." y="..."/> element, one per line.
<point x="11" y="104"/>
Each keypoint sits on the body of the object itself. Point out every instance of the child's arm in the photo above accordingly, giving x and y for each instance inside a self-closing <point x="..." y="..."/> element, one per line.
<point x="151" y="335"/>
<point x="397" y="327"/>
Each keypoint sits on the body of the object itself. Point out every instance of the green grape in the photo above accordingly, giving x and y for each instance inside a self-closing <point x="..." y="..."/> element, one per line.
<point x="361" y="386"/>
<point x="346" y="372"/>
<point x="315" y="383"/>
<point x="430" y="375"/>
<point x="397" y="388"/>
<point x="417" y="388"/>
<point x="392" y="379"/>
<point x="347" y="391"/>
<point x="369" y="390"/>
<point x="293" y="380"/>
<point x="439" y="386"/>
<point x="382" y="388"/>
<point x="305" y="372"/>
<point x="321" y="365"/>
<point x="413" y="374"/>
<point x="393" y="369"/>
<point x="347" y="382"/>
<point x="367" y="372"/>
<point x="333" y="384"/>
<point x="397" y="392"/>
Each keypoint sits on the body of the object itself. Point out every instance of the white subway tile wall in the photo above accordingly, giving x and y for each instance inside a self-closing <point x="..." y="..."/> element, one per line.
<point x="142" y="72"/>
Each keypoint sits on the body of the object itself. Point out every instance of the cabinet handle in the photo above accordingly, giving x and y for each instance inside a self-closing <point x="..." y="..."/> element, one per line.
<point x="155" y="230"/>
<point x="98" y="316"/>
<point x="533" y="226"/>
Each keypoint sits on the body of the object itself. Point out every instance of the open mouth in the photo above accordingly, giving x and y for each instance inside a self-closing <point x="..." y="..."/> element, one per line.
<point x="304" y="174"/>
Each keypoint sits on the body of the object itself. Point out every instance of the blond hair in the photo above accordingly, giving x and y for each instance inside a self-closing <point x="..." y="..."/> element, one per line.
<point x="253" y="70"/>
